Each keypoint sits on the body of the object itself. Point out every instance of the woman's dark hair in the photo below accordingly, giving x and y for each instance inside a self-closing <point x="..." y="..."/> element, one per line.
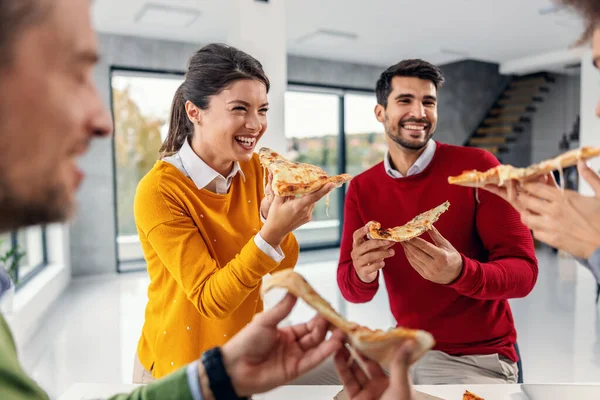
<point x="211" y="70"/>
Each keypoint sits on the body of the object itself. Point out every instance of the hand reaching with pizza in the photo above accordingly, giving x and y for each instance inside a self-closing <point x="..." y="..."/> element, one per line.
<point x="357" y="386"/>
<point x="439" y="262"/>
<point x="290" y="212"/>
<point x="564" y="219"/>
<point x="368" y="255"/>
<point x="512" y="190"/>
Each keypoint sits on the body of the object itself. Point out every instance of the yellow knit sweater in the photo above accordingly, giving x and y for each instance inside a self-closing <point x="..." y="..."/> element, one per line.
<point x="205" y="269"/>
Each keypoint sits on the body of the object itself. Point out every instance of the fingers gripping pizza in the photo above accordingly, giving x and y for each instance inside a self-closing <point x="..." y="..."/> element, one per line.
<point x="414" y="228"/>
<point x="374" y="344"/>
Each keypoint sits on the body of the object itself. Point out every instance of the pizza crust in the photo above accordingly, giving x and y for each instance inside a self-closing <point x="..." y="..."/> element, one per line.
<point x="290" y="178"/>
<point x="471" y="396"/>
<point x="503" y="173"/>
<point x="374" y="344"/>
<point x="414" y="228"/>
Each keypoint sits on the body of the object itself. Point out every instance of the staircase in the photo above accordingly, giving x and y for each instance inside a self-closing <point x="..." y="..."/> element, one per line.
<point x="506" y="128"/>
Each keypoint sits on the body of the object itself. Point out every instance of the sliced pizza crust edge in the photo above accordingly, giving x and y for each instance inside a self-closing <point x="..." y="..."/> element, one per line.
<point x="281" y="188"/>
<point x="375" y="231"/>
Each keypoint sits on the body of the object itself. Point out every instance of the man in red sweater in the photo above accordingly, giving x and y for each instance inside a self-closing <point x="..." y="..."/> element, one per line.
<point x="454" y="282"/>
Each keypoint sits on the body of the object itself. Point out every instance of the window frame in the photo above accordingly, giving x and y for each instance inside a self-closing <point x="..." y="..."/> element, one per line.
<point x="341" y="92"/>
<point x="126" y="70"/>
<point x="36" y="269"/>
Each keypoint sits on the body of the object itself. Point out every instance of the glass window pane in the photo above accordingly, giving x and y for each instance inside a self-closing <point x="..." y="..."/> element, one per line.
<point x="5" y="247"/>
<point x="30" y="243"/>
<point x="365" y="138"/>
<point x="5" y="243"/>
<point x="141" y="107"/>
<point x="312" y="130"/>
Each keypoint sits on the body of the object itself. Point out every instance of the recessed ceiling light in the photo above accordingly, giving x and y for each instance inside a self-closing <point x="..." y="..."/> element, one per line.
<point x="327" y="37"/>
<point x="160" y="14"/>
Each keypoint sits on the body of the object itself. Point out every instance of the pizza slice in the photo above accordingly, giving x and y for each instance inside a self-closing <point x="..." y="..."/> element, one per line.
<point x="291" y="178"/>
<point x="412" y="229"/>
<point x="501" y="174"/>
<point x="470" y="396"/>
<point x="374" y="344"/>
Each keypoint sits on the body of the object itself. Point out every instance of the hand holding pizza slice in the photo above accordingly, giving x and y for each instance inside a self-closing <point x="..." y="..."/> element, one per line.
<point x="374" y="344"/>
<point x="368" y="256"/>
<point x="438" y="262"/>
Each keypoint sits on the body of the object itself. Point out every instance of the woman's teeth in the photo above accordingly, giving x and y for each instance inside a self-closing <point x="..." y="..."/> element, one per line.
<point x="246" y="141"/>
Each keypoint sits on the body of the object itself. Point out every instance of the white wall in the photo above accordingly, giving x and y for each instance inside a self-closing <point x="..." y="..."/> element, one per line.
<point x="554" y="116"/>
<point x="590" y="123"/>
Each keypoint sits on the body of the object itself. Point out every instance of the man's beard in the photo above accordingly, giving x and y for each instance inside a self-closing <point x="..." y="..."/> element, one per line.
<point x="16" y="213"/>
<point x="409" y="144"/>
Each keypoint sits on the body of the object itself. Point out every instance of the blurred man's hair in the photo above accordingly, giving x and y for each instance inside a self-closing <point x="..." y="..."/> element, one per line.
<point x="15" y="16"/>
<point x="589" y="10"/>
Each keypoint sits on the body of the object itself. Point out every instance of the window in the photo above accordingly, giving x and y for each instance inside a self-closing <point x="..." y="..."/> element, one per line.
<point x="365" y="139"/>
<point x="24" y="253"/>
<point x="312" y="128"/>
<point x="141" y="104"/>
<point x="335" y="129"/>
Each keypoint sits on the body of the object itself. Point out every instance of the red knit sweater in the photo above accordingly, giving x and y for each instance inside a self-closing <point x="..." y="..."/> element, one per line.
<point x="471" y="315"/>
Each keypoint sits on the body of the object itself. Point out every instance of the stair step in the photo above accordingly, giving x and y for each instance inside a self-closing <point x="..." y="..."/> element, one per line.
<point x="491" y="149"/>
<point x="526" y="91"/>
<point x="524" y="101"/>
<point x="512" y="110"/>
<point x="502" y="130"/>
<point x="488" y="140"/>
<point x="505" y="119"/>
<point x="498" y="130"/>
<point x="540" y="80"/>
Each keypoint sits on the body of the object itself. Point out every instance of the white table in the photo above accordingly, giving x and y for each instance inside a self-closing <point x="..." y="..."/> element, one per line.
<point x="83" y="391"/>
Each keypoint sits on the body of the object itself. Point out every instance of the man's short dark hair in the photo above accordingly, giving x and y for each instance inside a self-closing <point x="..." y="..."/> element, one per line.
<point x="409" y="68"/>
<point x="589" y="10"/>
<point x="15" y="15"/>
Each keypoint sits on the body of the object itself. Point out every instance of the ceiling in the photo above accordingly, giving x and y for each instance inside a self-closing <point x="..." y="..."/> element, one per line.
<point x="379" y="32"/>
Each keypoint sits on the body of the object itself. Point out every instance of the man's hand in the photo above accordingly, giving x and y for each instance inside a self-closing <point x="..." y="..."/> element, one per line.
<point x="262" y="357"/>
<point x="439" y="263"/>
<point x="368" y="255"/>
<point x="359" y="387"/>
<point x="564" y="219"/>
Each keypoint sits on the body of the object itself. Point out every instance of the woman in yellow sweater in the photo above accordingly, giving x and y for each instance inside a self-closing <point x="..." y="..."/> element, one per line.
<point x="208" y="231"/>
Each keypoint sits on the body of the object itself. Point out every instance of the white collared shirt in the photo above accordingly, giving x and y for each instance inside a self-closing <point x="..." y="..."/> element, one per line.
<point x="205" y="177"/>
<point x="202" y="174"/>
<point x="419" y="165"/>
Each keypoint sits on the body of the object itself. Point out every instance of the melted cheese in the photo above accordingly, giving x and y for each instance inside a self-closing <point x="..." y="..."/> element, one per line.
<point x="355" y="357"/>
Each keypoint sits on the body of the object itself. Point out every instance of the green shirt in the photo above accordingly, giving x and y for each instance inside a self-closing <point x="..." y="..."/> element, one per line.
<point x="16" y="385"/>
